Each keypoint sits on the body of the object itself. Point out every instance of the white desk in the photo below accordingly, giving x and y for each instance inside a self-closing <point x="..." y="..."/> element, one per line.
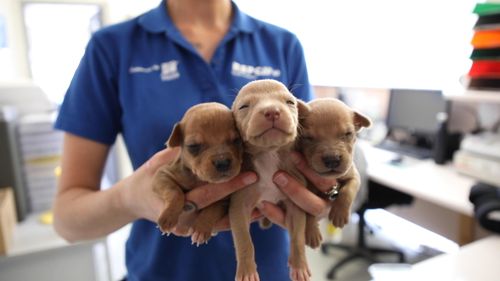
<point x="423" y="179"/>
<point x="477" y="261"/>
<point x="38" y="253"/>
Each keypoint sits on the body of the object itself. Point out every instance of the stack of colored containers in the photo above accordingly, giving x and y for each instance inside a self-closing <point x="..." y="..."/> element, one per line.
<point x="485" y="70"/>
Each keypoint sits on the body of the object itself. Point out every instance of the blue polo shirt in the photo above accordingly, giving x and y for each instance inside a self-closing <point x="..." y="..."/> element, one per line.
<point x="138" y="78"/>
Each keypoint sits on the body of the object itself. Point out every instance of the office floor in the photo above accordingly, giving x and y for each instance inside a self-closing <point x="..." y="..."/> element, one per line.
<point x="388" y="231"/>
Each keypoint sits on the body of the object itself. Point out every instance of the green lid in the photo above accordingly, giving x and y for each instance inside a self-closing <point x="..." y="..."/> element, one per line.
<point x="482" y="9"/>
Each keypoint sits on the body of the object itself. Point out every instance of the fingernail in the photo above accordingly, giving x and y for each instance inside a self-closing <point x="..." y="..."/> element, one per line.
<point x="281" y="180"/>
<point x="189" y="206"/>
<point x="249" y="179"/>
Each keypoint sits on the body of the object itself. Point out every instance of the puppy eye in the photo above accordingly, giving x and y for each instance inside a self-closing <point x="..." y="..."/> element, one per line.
<point x="243" y="106"/>
<point x="348" y="135"/>
<point x="307" y="138"/>
<point x="194" y="148"/>
<point x="290" y="102"/>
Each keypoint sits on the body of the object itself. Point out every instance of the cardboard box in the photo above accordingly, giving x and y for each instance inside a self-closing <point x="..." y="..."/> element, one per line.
<point x="8" y="219"/>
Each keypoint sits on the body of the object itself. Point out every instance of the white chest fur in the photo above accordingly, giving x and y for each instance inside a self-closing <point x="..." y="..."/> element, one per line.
<point x="266" y="165"/>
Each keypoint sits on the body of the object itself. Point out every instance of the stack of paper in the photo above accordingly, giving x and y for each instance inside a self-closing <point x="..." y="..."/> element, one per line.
<point x="40" y="149"/>
<point x="485" y="70"/>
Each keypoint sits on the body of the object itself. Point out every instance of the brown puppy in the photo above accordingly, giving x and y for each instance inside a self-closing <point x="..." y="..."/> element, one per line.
<point x="266" y="114"/>
<point x="211" y="152"/>
<point x="327" y="140"/>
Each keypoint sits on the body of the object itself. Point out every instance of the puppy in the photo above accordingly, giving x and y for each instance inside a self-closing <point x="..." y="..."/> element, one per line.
<point x="266" y="115"/>
<point x="327" y="139"/>
<point x="211" y="152"/>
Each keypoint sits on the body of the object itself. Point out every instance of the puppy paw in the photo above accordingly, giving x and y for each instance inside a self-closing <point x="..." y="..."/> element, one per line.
<point x="167" y="222"/>
<point x="339" y="218"/>
<point x="200" y="237"/>
<point x="202" y="231"/>
<point x="313" y="237"/>
<point x="247" y="273"/>
<point x="300" y="273"/>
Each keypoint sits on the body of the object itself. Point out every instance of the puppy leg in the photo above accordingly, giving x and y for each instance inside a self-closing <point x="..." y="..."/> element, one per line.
<point x="341" y="208"/>
<point x="173" y="197"/>
<point x="205" y="222"/>
<point x="313" y="234"/>
<point x="296" y="223"/>
<point x="240" y="209"/>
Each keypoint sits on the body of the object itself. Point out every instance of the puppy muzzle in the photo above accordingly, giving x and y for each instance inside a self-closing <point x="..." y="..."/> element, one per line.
<point x="222" y="165"/>
<point x="331" y="162"/>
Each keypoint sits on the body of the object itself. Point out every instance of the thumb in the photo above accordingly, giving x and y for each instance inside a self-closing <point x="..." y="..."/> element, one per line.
<point x="161" y="158"/>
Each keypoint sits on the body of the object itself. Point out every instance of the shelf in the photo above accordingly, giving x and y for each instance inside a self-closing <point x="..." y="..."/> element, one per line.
<point x="32" y="236"/>
<point x="39" y="253"/>
<point x="475" y="96"/>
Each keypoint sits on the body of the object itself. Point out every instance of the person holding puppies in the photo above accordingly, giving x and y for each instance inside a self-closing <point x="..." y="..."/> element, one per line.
<point x="137" y="79"/>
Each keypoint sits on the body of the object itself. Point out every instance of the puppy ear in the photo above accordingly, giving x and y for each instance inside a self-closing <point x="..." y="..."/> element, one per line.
<point x="176" y="137"/>
<point x="303" y="109"/>
<point x="361" y="121"/>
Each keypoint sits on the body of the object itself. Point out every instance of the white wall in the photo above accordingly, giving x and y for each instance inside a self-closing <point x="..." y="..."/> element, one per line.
<point x="377" y="44"/>
<point x="124" y="9"/>
<point x="365" y="43"/>
<point x="13" y="59"/>
<point x="14" y="63"/>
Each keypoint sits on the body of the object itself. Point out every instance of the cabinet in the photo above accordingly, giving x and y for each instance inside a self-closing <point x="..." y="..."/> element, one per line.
<point x="38" y="253"/>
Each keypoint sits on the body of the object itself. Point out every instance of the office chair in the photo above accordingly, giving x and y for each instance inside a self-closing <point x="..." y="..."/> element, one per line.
<point x="379" y="196"/>
<point x="486" y="201"/>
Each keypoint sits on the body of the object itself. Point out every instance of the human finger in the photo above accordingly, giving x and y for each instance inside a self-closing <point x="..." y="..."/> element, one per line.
<point x="273" y="212"/>
<point x="300" y="195"/>
<point x="161" y="158"/>
<point x="205" y="195"/>
<point x="323" y="184"/>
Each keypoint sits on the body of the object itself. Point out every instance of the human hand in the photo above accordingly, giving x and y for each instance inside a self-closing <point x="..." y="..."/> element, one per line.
<point x="204" y="196"/>
<point x="138" y="195"/>
<point x="140" y="199"/>
<point x="307" y="200"/>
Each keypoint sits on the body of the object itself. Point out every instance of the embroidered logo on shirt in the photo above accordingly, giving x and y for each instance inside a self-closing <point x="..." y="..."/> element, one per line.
<point x="141" y="69"/>
<point x="168" y="70"/>
<point x="253" y="72"/>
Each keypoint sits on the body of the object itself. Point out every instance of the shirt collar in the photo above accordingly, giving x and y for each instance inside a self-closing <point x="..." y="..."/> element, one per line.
<point x="157" y="20"/>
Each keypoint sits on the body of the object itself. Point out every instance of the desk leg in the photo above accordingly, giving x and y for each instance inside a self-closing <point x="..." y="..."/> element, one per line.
<point x="466" y="233"/>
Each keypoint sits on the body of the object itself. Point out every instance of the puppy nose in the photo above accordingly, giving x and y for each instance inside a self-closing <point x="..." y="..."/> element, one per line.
<point x="331" y="161"/>
<point x="272" y="114"/>
<point x="222" y="165"/>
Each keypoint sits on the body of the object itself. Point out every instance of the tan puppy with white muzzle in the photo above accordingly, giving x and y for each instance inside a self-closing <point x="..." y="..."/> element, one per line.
<point x="266" y="115"/>
<point x="327" y="141"/>
<point x="211" y="152"/>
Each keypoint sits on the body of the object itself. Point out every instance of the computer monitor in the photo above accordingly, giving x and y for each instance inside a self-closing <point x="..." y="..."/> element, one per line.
<point x="415" y="111"/>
